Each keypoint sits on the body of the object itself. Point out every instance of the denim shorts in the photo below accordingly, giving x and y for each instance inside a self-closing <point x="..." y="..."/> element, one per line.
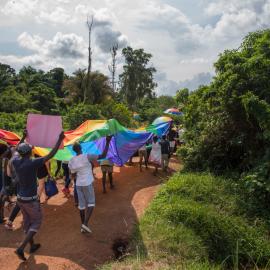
<point x="86" y="196"/>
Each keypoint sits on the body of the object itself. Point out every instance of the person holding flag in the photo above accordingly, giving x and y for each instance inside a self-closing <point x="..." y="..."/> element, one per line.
<point x="26" y="172"/>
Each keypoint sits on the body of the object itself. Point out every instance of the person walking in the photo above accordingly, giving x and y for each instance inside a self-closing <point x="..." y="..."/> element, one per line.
<point x="172" y="135"/>
<point x="143" y="156"/>
<point x="67" y="180"/>
<point x="106" y="168"/>
<point x="155" y="155"/>
<point x="27" y="198"/>
<point x="11" y="173"/>
<point x="80" y="167"/>
<point x="5" y="181"/>
<point x="165" y="153"/>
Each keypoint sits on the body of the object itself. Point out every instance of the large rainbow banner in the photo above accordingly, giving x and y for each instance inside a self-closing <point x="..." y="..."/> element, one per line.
<point x="125" y="142"/>
<point x="92" y="136"/>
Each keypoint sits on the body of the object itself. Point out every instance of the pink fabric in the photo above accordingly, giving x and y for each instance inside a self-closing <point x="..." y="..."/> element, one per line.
<point x="43" y="130"/>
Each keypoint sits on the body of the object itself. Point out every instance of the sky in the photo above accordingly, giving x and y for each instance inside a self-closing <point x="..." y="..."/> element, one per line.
<point x="185" y="37"/>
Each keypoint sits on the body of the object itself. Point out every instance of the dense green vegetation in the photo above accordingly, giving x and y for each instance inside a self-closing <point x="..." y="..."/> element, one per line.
<point x="198" y="221"/>
<point x="215" y="214"/>
<point x="55" y="92"/>
<point x="228" y="122"/>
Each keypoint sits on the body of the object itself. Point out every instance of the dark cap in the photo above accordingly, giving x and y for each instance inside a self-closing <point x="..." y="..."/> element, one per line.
<point x="24" y="149"/>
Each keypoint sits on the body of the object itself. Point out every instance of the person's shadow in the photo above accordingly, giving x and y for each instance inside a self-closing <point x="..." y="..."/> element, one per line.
<point x="31" y="261"/>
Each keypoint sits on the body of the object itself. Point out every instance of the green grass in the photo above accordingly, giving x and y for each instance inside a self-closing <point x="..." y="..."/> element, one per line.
<point x="196" y="222"/>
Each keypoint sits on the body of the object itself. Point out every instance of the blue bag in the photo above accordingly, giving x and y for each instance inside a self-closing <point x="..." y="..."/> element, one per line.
<point x="50" y="187"/>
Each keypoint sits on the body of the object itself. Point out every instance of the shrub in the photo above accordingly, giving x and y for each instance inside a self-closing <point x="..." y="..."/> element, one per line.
<point x="12" y="121"/>
<point x="77" y="114"/>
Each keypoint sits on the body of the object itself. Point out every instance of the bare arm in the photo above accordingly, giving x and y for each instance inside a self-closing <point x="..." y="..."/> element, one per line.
<point x="56" y="147"/>
<point x="105" y="151"/>
<point x="22" y="139"/>
<point x="9" y="169"/>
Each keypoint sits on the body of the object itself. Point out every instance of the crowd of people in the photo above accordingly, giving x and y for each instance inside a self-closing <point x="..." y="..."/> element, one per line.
<point x="24" y="176"/>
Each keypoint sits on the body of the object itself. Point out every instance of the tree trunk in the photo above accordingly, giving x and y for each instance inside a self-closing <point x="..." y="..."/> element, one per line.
<point x="88" y="82"/>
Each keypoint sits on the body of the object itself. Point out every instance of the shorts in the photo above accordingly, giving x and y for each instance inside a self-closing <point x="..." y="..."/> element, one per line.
<point x="32" y="215"/>
<point x="143" y="154"/>
<point x="106" y="168"/>
<point x="86" y="196"/>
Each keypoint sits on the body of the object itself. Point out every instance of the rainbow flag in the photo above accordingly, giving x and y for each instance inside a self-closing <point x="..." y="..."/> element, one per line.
<point x="92" y="136"/>
<point x="9" y="137"/>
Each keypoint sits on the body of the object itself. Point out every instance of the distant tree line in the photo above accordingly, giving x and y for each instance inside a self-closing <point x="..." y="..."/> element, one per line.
<point x="55" y="92"/>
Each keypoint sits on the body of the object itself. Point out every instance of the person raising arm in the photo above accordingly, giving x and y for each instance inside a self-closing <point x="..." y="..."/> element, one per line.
<point x="80" y="166"/>
<point x="26" y="172"/>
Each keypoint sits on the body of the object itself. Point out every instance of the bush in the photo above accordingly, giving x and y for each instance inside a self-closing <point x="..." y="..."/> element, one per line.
<point x="11" y="101"/>
<point x="205" y="205"/>
<point x="118" y="111"/>
<point x="13" y="122"/>
<point x="195" y="222"/>
<point x="77" y="114"/>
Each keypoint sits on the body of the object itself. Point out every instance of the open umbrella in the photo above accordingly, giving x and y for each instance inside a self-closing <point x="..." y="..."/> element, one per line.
<point x="136" y="116"/>
<point x="173" y="111"/>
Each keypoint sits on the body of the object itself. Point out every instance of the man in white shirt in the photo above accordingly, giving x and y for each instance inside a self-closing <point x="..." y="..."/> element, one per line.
<point x="81" y="167"/>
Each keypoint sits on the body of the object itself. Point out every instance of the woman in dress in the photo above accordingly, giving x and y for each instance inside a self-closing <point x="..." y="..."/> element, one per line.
<point x="155" y="155"/>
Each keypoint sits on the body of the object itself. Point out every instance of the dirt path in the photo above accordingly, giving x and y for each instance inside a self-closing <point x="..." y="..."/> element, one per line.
<point x="63" y="246"/>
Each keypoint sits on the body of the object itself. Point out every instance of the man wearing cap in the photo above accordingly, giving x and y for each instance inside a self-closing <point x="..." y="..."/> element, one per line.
<point x="27" y="199"/>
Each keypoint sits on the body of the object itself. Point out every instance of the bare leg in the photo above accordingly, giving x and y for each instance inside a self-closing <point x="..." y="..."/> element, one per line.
<point x="2" y="203"/>
<point x="111" y="180"/>
<point x="145" y="161"/>
<point x="104" y="181"/>
<point x="28" y="239"/>
<point x="82" y="215"/>
<point x="89" y="212"/>
<point x="141" y="159"/>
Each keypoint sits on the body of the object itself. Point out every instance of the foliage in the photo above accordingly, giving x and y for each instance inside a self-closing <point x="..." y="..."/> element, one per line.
<point x="77" y="114"/>
<point x="43" y="98"/>
<point x="11" y="101"/>
<point x="136" y="81"/>
<point x="54" y="92"/>
<point x="227" y="122"/>
<point x="119" y="111"/>
<point x="195" y="222"/>
<point x="150" y="108"/>
<point x="181" y="97"/>
<point x="99" y="87"/>
<point x="13" y="121"/>
<point x="7" y="76"/>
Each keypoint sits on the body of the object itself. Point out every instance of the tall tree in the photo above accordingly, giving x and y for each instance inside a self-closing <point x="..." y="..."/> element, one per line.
<point x="137" y="78"/>
<point x="89" y="23"/>
<point x="7" y="76"/>
<point x="100" y="87"/>
<point x="112" y="66"/>
<point x="55" y="79"/>
<point x="28" y="77"/>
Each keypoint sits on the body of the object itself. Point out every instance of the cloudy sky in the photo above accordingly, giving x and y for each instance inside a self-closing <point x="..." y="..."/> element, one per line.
<point x="184" y="36"/>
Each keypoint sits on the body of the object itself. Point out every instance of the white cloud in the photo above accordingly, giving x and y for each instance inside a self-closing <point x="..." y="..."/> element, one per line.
<point x="180" y="47"/>
<point x="61" y="46"/>
<point x="58" y="15"/>
<point x="19" y="7"/>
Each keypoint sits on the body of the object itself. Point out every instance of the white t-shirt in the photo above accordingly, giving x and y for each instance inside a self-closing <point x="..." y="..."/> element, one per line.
<point x="81" y="165"/>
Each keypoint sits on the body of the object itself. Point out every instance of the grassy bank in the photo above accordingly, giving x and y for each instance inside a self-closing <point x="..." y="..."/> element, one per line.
<point x="197" y="222"/>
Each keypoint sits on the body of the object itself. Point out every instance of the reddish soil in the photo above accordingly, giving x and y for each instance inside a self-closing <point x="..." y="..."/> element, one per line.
<point x="63" y="245"/>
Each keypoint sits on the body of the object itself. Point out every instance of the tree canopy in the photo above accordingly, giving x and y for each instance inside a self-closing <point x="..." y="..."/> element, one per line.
<point x="228" y="122"/>
<point x="136" y="81"/>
